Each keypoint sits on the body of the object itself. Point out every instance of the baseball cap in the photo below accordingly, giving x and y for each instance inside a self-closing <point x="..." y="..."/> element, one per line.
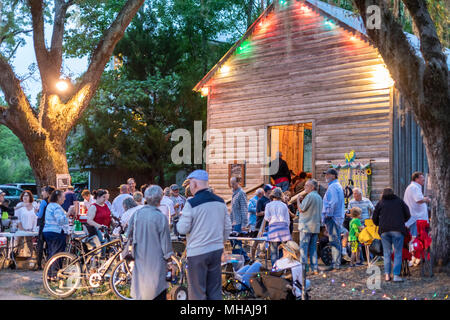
<point x="199" y="175"/>
<point x="331" y="171"/>
<point x="1" y="192"/>
<point x="267" y="188"/>
<point x="174" y="187"/>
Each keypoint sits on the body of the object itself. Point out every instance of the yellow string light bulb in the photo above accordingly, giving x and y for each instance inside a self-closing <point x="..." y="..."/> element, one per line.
<point x="225" y="69"/>
<point x="205" y="91"/>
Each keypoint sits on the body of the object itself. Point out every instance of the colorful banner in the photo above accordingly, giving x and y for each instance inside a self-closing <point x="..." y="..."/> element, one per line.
<point x="354" y="175"/>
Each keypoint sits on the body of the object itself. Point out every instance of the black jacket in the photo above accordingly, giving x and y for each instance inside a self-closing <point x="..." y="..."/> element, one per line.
<point x="391" y="214"/>
<point x="283" y="170"/>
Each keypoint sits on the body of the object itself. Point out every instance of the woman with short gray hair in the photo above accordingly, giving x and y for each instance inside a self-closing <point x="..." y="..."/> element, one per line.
<point x="149" y="233"/>
<point x="138" y="197"/>
<point x="153" y="195"/>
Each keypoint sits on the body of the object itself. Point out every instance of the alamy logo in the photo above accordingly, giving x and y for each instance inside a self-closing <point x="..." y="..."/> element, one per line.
<point x="374" y="280"/>
<point x="225" y="146"/>
<point x="373" y="17"/>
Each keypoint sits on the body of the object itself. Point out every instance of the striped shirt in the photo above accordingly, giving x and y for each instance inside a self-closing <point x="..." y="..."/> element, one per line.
<point x="365" y="205"/>
<point x="239" y="208"/>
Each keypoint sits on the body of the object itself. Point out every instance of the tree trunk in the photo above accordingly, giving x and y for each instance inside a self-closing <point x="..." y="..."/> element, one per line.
<point x="437" y="142"/>
<point x="424" y="82"/>
<point x="47" y="159"/>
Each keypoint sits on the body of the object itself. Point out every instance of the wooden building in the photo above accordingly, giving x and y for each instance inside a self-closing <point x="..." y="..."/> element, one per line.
<point x="305" y="72"/>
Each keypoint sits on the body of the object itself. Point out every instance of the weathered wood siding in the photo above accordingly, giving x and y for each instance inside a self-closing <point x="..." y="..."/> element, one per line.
<point x="296" y="69"/>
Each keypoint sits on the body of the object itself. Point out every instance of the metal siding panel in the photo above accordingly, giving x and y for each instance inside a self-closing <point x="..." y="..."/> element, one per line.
<point x="396" y="146"/>
<point x="414" y="149"/>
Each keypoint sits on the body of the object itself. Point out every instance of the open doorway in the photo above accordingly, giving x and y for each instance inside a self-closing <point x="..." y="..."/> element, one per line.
<point x="294" y="141"/>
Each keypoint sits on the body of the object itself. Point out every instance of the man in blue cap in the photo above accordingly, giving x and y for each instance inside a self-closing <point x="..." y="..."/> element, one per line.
<point x="177" y="199"/>
<point x="206" y="223"/>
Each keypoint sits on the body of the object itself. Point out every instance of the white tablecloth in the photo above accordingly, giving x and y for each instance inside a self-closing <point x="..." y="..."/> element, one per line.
<point x="18" y="234"/>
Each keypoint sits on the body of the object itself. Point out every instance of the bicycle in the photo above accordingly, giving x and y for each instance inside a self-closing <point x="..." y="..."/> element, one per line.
<point x="121" y="277"/>
<point x="64" y="272"/>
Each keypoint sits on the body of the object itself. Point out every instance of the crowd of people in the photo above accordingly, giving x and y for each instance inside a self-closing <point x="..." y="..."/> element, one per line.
<point x="150" y="215"/>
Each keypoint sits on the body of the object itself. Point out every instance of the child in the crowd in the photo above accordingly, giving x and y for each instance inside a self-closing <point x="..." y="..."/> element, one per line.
<point x="355" y="227"/>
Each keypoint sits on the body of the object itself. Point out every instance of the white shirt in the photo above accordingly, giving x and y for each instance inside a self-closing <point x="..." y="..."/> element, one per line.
<point x="166" y="207"/>
<point x="117" y="205"/>
<point x="89" y="203"/>
<point x="296" y="270"/>
<point x="178" y="200"/>
<point x="413" y="193"/>
<point x="276" y="211"/>
<point x="27" y="218"/>
<point x="128" y="214"/>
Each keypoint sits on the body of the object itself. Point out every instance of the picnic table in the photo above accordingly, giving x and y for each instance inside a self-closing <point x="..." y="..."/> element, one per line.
<point x="11" y="237"/>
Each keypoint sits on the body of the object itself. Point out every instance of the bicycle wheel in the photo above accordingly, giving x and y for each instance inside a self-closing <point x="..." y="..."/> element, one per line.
<point x="62" y="275"/>
<point x="120" y="281"/>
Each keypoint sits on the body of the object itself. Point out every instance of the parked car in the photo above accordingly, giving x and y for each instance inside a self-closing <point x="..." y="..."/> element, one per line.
<point x="25" y="186"/>
<point x="13" y="193"/>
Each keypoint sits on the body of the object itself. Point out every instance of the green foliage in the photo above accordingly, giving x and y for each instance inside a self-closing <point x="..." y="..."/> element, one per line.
<point x="440" y="13"/>
<point x="14" y="164"/>
<point x="166" y="50"/>
<point x="82" y="34"/>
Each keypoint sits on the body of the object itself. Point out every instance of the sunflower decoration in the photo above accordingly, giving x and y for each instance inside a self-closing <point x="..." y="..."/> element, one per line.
<point x="369" y="171"/>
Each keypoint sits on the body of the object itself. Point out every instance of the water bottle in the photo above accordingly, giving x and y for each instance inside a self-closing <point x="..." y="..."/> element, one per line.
<point x="78" y="225"/>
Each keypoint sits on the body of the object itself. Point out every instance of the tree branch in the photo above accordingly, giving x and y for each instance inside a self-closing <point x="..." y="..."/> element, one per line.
<point x="404" y="65"/>
<point x="13" y="51"/>
<point x="13" y="34"/>
<point x="58" y="32"/>
<point x="19" y="113"/>
<point x="435" y="77"/>
<point x="100" y="56"/>
<point x="42" y="55"/>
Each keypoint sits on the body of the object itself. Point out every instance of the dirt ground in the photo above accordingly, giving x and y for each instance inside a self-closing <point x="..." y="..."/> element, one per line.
<point x="351" y="284"/>
<point x="345" y="284"/>
<point x="20" y="285"/>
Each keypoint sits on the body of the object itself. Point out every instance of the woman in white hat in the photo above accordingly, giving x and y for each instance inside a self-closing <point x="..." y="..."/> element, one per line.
<point x="291" y="260"/>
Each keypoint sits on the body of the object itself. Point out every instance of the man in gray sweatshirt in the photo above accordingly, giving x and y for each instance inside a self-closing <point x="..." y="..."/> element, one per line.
<point x="206" y="223"/>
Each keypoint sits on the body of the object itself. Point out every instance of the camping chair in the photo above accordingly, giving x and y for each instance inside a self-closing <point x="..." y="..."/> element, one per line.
<point x="422" y="247"/>
<point x="277" y="286"/>
<point x="367" y="237"/>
